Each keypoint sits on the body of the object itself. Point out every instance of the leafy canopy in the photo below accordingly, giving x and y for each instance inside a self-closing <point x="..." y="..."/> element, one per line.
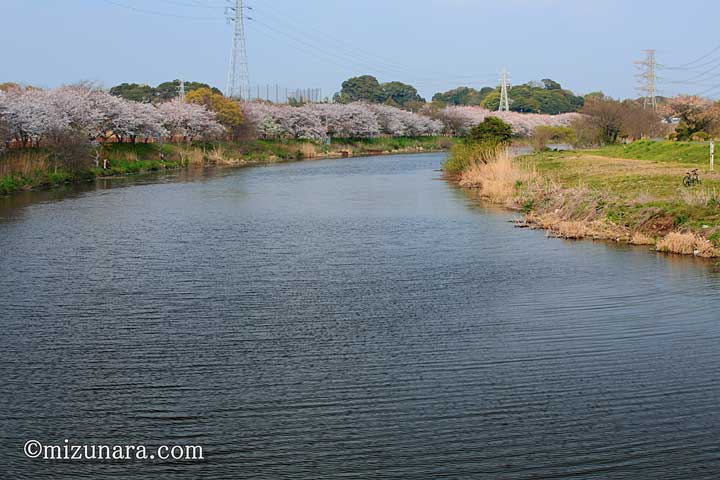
<point x="367" y="88"/>
<point x="491" y="130"/>
<point x="227" y="111"/>
<point x="545" y="97"/>
<point x="463" y="96"/>
<point x="163" y="92"/>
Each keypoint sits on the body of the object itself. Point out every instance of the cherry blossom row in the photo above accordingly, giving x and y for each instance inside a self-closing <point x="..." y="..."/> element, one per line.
<point x="460" y="119"/>
<point x="32" y="115"/>
<point x="354" y="120"/>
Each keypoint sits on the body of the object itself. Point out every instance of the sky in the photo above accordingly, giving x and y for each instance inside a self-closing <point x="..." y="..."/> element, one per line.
<point x="435" y="45"/>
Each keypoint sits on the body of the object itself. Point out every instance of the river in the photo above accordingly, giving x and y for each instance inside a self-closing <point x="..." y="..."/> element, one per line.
<point x="355" y="318"/>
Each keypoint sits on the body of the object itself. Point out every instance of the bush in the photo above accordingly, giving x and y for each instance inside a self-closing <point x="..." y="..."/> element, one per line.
<point x="544" y="134"/>
<point x="491" y="130"/>
<point x="700" y="137"/>
<point x="586" y="133"/>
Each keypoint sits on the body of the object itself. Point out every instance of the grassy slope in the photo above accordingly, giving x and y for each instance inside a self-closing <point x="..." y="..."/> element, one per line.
<point x="637" y="188"/>
<point x="674" y="152"/>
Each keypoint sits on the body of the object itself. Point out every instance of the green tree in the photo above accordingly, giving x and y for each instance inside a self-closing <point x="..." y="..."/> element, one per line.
<point x="169" y="90"/>
<point x="399" y="93"/>
<point x="463" y="96"/>
<point x="134" y="91"/>
<point x="491" y="130"/>
<point x="550" y="84"/>
<point x="491" y="101"/>
<point x="547" y="96"/>
<point x="363" y="88"/>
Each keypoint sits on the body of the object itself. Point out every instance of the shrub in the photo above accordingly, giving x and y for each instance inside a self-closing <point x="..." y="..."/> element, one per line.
<point x="700" y="137"/>
<point x="491" y="130"/>
<point x="544" y="134"/>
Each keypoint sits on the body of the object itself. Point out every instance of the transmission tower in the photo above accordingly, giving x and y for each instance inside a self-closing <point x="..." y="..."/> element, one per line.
<point x="647" y="79"/>
<point x="181" y="90"/>
<point x="504" y="101"/>
<point x="238" y="83"/>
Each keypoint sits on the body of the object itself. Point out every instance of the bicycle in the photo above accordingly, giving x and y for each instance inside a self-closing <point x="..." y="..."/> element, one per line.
<point x="692" y="178"/>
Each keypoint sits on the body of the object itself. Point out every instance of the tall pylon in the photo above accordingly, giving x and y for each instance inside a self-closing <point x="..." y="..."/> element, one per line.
<point x="238" y="82"/>
<point x="181" y="90"/>
<point x="647" y="79"/>
<point x="504" y="101"/>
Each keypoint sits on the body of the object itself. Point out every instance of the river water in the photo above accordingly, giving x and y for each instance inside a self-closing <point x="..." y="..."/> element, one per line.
<point x="355" y="318"/>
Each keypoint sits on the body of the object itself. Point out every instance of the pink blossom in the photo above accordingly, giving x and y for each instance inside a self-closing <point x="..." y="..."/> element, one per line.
<point x="523" y="124"/>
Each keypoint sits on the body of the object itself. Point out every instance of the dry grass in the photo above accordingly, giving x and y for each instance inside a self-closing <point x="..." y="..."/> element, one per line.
<point x="24" y="163"/>
<point x="571" y="229"/>
<point x="126" y="156"/>
<point x="686" y="244"/>
<point x="639" y="238"/>
<point x="497" y="176"/>
<point x="700" y="197"/>
<point x="217" y="155"/>
<point x="307" y="150"/>
<point x="192" y="156"/>
<point x="220" y="156"/>
<point x="196" y="156"/>
<point x="559" y="226"/>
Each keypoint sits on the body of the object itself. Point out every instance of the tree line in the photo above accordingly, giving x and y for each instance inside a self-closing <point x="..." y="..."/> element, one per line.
<point x="546" y="97"/>
<point x="140" y="92"/>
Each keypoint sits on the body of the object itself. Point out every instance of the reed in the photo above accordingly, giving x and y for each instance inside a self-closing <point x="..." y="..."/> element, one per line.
<point x="494" y="171"/>
<point x="687" y="244"/>
<point x="306" y="150"/>
<point x="24" y="163"/>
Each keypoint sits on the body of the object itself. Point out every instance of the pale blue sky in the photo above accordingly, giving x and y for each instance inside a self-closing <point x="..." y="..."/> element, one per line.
<point x="586" y="45"/>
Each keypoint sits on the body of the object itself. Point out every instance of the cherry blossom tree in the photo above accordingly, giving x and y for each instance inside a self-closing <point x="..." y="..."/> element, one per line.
<point x="523" y="124"/>
<point x="31" y="114"/>
<point x="353" y="120"/>
<point x="189" y="121"/>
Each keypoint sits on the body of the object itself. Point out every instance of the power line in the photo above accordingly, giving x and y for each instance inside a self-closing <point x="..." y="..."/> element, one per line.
<point x="703" y="57"/>
<point x="340" y="56"/>
<point x="308" y="37"/>
<point x="179" y="3"/>
<point x="694" y="67"/>
<point x="157" y="13"/>
<point x="324" y="37"/>
<point x="336" y="57"/>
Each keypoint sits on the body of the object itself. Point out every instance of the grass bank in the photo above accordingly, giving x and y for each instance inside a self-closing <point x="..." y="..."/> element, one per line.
<point x="38" y="168"/>
<point x="631" y="193"/>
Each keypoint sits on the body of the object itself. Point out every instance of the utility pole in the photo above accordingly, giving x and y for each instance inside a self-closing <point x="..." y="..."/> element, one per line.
<point x="181" y="90"/>
<point x="647" y="79"/>
<point x="504" y="101"/>
<point x="712" y="155"/>
<point x="238" y="83"/>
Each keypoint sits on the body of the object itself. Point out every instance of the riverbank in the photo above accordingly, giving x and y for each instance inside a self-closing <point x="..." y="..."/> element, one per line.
<point x="632" y="194"/>
<point x="28" y="169"/>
